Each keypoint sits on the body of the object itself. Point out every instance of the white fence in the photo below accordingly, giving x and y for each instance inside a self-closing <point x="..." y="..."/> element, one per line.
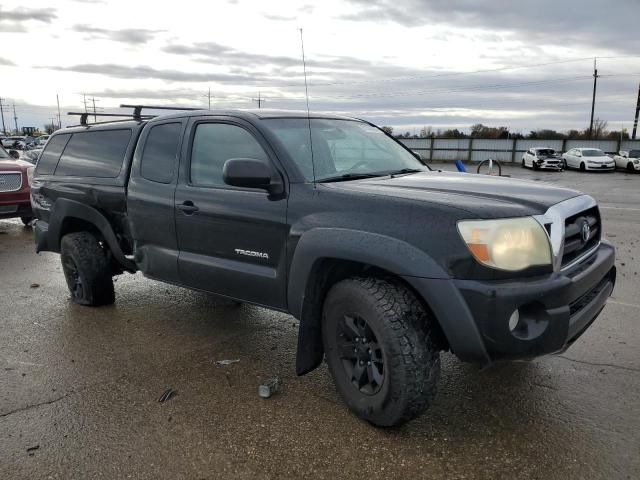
<point x="507" y="150"/>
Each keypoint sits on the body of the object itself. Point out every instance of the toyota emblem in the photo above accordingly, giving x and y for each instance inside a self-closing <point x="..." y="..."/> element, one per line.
<point x="586" y="231"/>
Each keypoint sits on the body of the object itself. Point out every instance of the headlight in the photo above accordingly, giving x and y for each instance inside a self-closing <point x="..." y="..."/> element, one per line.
<point x="30" y="175"/>
<point x="636" y="161"/>
<point x="508" y="244"/>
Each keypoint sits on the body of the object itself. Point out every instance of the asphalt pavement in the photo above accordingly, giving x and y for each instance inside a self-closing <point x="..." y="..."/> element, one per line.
<point x="79" y="387"/>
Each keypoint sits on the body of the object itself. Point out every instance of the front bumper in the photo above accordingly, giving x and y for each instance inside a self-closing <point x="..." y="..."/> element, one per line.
<point x="13" y="210"/>
<point x="550" y="166"/>
<point x="554" y="310"/>
<point x="601" y="167"/>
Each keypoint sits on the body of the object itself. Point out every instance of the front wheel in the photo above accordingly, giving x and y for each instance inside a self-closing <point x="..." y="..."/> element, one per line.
<point x="380" y="348"/>
<point x="86" y="269"/>
<point x="630" y="168"/>
<point x="582" y="167"/>
<point x="26" y="221"/>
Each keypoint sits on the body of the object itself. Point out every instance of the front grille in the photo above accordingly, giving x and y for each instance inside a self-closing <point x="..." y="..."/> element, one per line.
<point x="575" y="241"/>
<point x="10" y="182"/>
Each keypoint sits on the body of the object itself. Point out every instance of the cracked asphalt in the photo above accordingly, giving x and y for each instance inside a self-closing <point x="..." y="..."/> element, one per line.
<point x="79" y="387"/>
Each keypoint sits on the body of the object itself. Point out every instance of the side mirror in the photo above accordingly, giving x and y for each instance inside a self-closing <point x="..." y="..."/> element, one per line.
<point x="14" y="153"/>
<point x="251" y="173"/>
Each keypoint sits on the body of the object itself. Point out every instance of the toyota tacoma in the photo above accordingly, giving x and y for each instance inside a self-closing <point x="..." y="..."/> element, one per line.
<point x="385" y="262"/>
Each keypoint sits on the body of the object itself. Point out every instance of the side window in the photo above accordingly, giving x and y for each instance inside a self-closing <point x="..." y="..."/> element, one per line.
<point x="51" y="154"/>
<point x="160" y="152"/>
<point x="94" y="154"/>
<point x="213" y="145"/>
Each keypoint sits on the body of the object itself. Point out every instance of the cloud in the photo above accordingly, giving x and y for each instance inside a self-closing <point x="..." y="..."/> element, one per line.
<point x="279" y="18"/>
<point x="22" y="14"/>
<point x="566" y="23"/>
<point x="6" y="63"/>
<point x="128" y="35"/>
<point x="146" y="72"/>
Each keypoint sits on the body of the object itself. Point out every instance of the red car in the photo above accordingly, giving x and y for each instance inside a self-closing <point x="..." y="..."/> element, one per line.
<point x="15" y="182"/>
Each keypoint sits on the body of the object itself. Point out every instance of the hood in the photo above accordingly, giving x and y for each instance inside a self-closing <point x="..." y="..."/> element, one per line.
<point x="600" y="159"/>
<point x="11" y="164"/>
<point x="483" y="196"/>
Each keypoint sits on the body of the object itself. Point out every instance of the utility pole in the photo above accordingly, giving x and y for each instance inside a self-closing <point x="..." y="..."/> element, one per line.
<point x="15" y="118"/>
<point x="635" y="121"/>
<point x="4" y="129"/>
<point x="260" y="100"/>
<point x="94" y="109"/>
<point x="209" y="97"/>
<point x="84" y="101"/>
<point x="593" y="101"/>
<point x="59" y="118"/>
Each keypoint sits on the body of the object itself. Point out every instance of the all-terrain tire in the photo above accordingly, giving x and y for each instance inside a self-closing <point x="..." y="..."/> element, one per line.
<point x="86" y="269"/>
<point x="405" y="335"/>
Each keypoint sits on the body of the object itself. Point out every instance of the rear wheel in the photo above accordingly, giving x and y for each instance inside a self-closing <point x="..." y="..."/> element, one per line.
<point x="524" y="165"/>
<point x="86" y="269"/>
<point x="380" y="349"/>
<point x="564" y="163"/>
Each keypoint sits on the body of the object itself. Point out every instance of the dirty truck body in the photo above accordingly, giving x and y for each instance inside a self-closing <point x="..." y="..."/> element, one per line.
<point x="384" y="268"/>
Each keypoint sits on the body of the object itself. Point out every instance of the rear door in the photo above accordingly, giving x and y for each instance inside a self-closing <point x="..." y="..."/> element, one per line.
<point x="150" y="199"/>
<point x="231" y="239"/>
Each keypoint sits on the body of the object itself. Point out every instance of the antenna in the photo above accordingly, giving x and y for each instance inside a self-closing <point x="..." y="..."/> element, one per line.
<point x="306" y="93"/>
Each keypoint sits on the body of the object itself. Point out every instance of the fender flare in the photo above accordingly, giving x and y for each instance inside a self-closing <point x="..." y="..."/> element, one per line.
<point x="65" y="208"/>
<point x="381" y="251"/>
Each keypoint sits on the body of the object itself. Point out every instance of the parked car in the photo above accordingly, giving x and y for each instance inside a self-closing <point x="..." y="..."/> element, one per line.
<point x="384" y="261"/>
<point x="542" y="158"/>
<point x="629" y="160"/>
<point x="15" y="182"/>
<point x="588" y="159"/>
<point x="41" y="141"/>
<point x="14" y="142"/>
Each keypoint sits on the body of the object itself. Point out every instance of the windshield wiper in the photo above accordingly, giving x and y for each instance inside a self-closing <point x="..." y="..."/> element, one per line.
<point x="405" y="170"/>
<point x="352" y="176"/>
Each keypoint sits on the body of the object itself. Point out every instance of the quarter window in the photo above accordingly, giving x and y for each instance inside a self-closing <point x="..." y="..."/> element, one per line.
<point x="213" y="145"/>
<point x="160" y="152"/>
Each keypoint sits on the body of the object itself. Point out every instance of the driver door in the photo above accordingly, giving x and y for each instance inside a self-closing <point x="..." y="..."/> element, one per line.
<point x="231" y="240"/>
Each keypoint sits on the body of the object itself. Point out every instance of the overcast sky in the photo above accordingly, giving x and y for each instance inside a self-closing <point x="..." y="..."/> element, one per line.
<point x="404" y="63"/>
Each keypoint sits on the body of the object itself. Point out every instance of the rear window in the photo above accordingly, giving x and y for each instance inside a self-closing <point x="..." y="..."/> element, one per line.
<point x="94" y="154"/>
<point x="51" y="154"/>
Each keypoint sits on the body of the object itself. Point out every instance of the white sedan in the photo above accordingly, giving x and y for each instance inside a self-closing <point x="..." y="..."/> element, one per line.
<point x="588" y="159"/>
<point x="629" y="160"/>
<point x="541" y="158"/>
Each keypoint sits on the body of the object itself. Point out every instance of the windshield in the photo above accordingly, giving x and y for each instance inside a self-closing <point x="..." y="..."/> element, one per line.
<point x="593" y="152"/>
<point x="634" y="154"/>
<point x="340" y="147"/>
<point x="546" y="152"/>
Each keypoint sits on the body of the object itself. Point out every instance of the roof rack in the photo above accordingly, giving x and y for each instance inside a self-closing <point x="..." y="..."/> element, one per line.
<point x="85" y="115"/>
<point x="137" y="109"/>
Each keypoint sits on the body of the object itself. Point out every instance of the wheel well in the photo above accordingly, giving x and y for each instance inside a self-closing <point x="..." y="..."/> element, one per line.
<point x="326" y="272"/>
<point x="73" y="224"/>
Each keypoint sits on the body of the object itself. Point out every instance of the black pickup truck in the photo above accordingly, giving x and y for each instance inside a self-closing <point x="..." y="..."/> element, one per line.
<point x="384" y="261"/>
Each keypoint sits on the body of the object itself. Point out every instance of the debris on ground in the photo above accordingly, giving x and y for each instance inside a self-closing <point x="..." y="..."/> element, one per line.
<point x="167" y="395"/>
<point x="31" y="450"/>
<point x="34" y="285"/>
<point x="223" y="363"/>
<point x="269" y="387"/>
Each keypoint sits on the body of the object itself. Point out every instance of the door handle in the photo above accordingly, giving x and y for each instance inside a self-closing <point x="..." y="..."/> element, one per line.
<point x="187" y="207"/>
